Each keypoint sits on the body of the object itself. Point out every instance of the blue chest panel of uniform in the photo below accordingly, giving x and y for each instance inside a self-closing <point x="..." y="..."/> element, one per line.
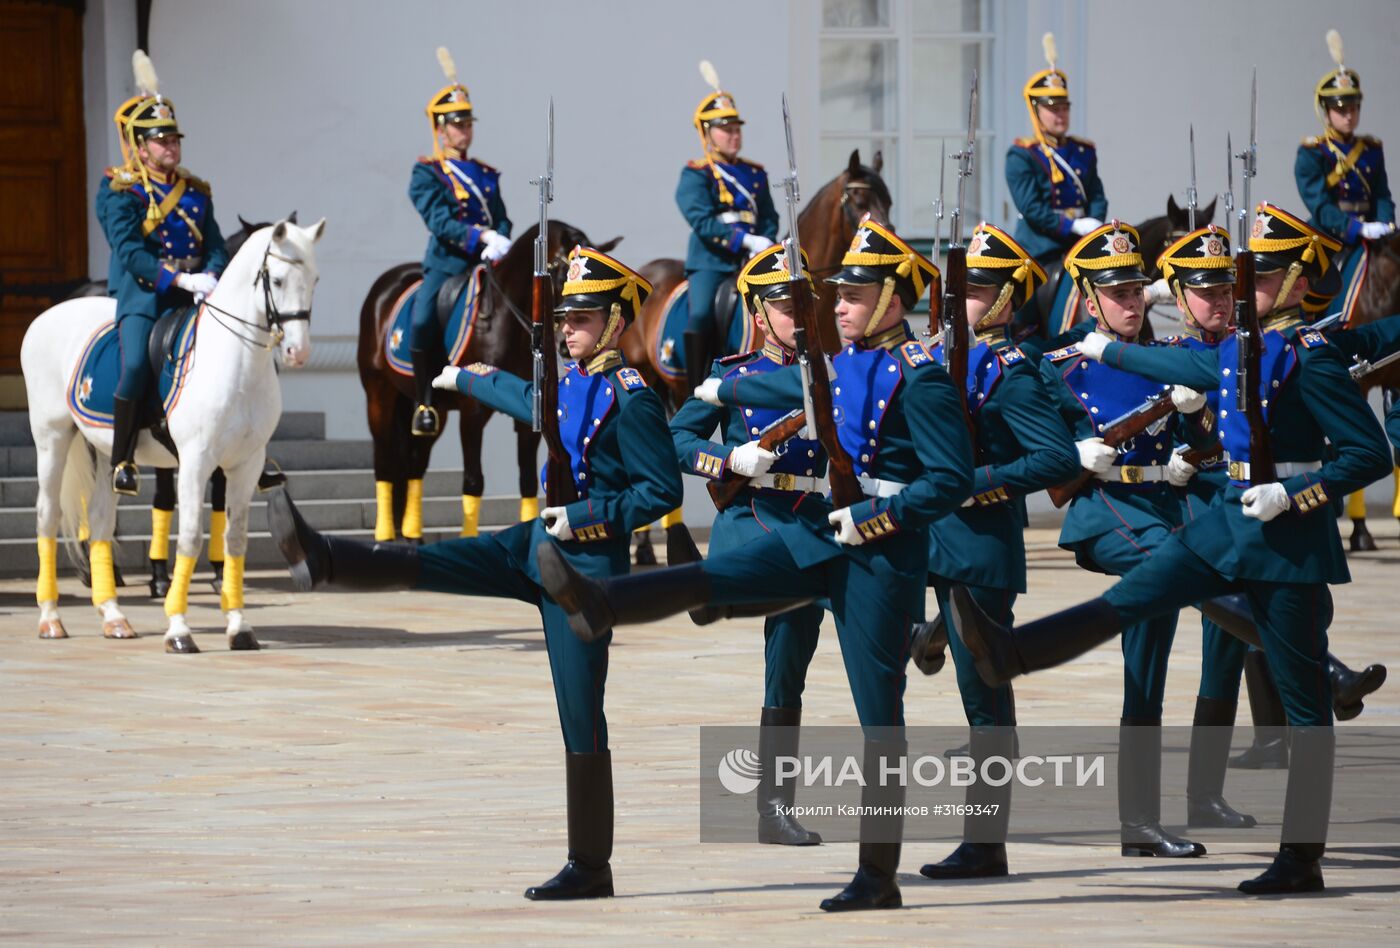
<point x="743" y="181"/>
<point x="1079" y="156"/>
<point x="1357" y="184"/>
<point x="1276" y="364"/>
<point x="983" y="372"/>
<point x="584" y="404"/>
<point x="94" y="381"/>
<point x="866" y="380"/>
<point x="1200" y="345"/>
<point x="456" y="335"/>
<point x="1107" y="394"/>
<point x="177" y="238"/>
<point x="799" y="455"/>
<point x="479" y="183"/>
<point x="670" y="341"/>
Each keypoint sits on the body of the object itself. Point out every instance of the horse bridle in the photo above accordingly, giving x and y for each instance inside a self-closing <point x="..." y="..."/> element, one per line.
<point x="276" y="319"/>
<point x="558" y="262"/>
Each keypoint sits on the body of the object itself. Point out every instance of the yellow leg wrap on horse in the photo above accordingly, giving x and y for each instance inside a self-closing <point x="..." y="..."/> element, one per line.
<point x="160" y="533"/>
<point x="83" y="532"/>
<point x="673" y="518"/>
<point x="413" y="511"/>
<point x="1356" y="505"/>
<point x="218" y="522"/>
<point x="47" y="588"/>
<point x="529" y="509"/>
<point x="1395" y="508"/>
<point x="177" y="601"/>
<point x="231" y="591"/>
<point x="471" y="515"/>
<point x="383" y="511"/>
<point x="104" y="578"/>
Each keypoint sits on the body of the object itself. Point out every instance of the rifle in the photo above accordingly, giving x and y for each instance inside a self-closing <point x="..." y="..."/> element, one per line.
<point x="773" y="438"/>
<point x="816" y="383"/>
<point x="1364" y="367"/>
<point x="1116" y="434"/>
<point x="1249" y="338"/>
<point x="544" y="413"/>
<point x="953" y="311"/>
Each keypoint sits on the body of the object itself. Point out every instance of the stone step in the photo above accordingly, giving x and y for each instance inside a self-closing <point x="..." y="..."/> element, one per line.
<point x="292" y="426"/>
<point x="291" y="454"/>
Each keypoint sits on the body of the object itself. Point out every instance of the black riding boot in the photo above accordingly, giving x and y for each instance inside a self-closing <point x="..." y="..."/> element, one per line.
<point x="317" y="560"/>
<point x="982" y="854"/>
<point x="1269" y="751"/>
<point x="596" y="605"/>
<point x="874" y="885"/>
<point x="778" y="736"/>
<point x="125" y="479"/>
<point x="426" y="422"/>
<point x="699" y="358"/>
<point x="587" y="874"/>
<point x="1211" y="729"/>
<point x="928" y="644"/>
<point x="1306" y="810"/>
<point x="1140" y="793"/>
<point x="1002" y="655"/>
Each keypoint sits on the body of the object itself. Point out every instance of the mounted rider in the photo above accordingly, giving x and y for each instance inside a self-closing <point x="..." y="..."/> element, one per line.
<point x="459" y="199"/>
<point x="167" y="250"/>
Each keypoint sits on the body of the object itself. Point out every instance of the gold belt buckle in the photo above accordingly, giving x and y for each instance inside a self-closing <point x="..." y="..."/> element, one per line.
<point x="1238" y="471"/>
<point x="1130" y="474"/>
<point x="785" y="482"/>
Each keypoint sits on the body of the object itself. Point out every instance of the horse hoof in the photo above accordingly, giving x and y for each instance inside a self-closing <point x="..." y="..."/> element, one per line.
<point x="181" y="645"/>
<point x="217" y="584"/>
<point x="159" y="589"/>
<point x="118" y="629"/>
<point x="52" y="629"/>
<point x="646" y="555"/>
<point x="1361" y="539"/>
<point x="244" y="641"/>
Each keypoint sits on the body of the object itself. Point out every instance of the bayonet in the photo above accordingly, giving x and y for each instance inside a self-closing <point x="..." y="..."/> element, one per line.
<point x="793" y="194"/>
<point x="545" y="183"/>
<point x="938" y="201"/>
<point x="953" y="305"/>
<point x="1229" y="182"/>
<point x="1191" y="197"/>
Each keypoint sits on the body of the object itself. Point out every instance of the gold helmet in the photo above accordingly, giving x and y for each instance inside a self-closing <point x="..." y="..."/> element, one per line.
<point x="1341" y="86"/>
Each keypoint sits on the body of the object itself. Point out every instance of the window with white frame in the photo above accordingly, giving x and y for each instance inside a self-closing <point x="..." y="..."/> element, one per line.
<point x="894" y="78"/>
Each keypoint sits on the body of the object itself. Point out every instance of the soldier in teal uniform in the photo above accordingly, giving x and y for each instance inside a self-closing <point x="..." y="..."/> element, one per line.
<point x="784" y="485"/>
<point x="614" y="429"/>
<point x="726" y="201"/>
<point x="902" y="425"/>
<point x="459" y="199"/>
<point x="1276" y="542"/>
<point x="1021" y="446"/>
<point x="1053" y="176"/>
<point x="1127" y="509"/>
<point x="167" y="250"/>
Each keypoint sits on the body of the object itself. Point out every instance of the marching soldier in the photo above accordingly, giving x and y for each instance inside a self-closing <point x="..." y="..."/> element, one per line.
<point x="1275" y="540"/>
<point x="1021" y="446"/>
<point x="614" y="429"/>
<point x="902" y="427"/>
<point x="784" y="486"/>
<point x="726" y="201"/>
<point x="459" y="199"/>
<point x="167" y="250"/>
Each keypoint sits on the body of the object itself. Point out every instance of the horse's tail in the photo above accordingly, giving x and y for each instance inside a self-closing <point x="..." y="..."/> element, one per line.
<point x="79" y="479"/>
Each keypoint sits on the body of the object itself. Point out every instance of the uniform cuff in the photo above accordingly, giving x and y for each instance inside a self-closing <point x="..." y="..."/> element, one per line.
<point x="736" y="239"/>
<point x="1310" y="498"/>
<point x="987" y="493"/>
<point x="711" y="465"/>
<point x="876" y="524"/>
<point x="1066" y="226"/>
<point x="588" y="527"/>
<point x="1353" y="231"/>
<point x="165" y="277"/>
<point x="473" y="238"/>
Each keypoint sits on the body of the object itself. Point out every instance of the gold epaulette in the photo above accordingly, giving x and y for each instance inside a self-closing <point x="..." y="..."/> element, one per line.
<point x="121" y="178"/>
<point x="427" y="160"/>
<point x="699" y="164"/>
<point x="1370" y="140"/>
<point x="1026" y="142"/>
<point x="199" y="184"/>
<point x="1312" y="141"/>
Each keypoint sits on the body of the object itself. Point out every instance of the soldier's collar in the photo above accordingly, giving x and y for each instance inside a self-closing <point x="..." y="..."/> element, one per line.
<point x="777" y="352"/>
<point x="1103" y="329"/>
<point x="889" y="339"/>
<point x="1282" y="319"/>
<point x="1194" y="331"/>
<point x="159" y="178"/>
<point x="993" y="334"/>
<point x="603" y="362"/>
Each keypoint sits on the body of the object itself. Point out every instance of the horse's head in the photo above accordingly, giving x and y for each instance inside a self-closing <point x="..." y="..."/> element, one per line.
<point x="863" y="191"/>
<point x="287" y="279"/>
<point x="1179" y="218"/>
<point x="563" y="237"/>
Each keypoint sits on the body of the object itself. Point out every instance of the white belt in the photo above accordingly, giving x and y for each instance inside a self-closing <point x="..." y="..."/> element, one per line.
<point x="878" y="486"/>
<point x="738" y="217"/>
<point x="1133" y="473"/>
<point x="808" y="485"/>
<point x="1239" y="470"/>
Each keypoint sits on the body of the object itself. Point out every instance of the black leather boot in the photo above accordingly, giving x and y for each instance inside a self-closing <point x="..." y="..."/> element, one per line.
<point x="125" y="479"/>
<point x="1269" y="751"/>
<point x="875" y="885"/>
<point x="1306" y="811"/>
<point x="928" y="644"/>
<point x="160" y="578"/>
<point x="272" y="477"/>
<point x="1211" y="729"/>
<point x="778" y="736"/>
<point x="426" y="421"/>
<point x="596" y="605"/>
<point x="317" y="560"/>
<point x="588" y="873"/>
<point x="1002" y="655"/>
<point x="1140" y="793"/>
<point x="699" y="358"/>
<point x="982" y="854"/>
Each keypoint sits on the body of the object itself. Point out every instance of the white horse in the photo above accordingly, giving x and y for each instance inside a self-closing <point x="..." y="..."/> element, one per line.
<point x="225" y="415"/>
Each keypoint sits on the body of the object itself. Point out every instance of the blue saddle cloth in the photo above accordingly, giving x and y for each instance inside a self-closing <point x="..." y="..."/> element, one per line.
<point x="670" y="342"/>
<point x="94" y="381"/>
<point x="456" y="334"/>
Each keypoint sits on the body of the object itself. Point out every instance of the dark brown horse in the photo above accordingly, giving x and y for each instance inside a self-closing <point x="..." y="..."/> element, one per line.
<point x="500" y="336"/>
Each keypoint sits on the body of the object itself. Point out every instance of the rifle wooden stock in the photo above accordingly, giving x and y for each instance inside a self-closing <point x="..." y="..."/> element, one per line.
<point x="559" y="477"/>
<point x="840" y="471"/>
<point x="724" y="492"/>
<point x="1199" y="457"/>
<point x="1116" y="435"/>
<point x="954" y="318"/>
<point x="1250" y="341"/>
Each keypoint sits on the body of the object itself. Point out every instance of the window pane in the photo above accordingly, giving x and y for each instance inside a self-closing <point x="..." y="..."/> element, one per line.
<point x="925" y="155"/>
<point x="836" y="155"/>
<point x="947" y="16"/>
<point x="855" y="13"/>
<point x="858" y="85"/>
<point x="942" y="76"/>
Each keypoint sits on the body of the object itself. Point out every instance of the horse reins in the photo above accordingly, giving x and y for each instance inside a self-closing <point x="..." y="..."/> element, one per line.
<point x="554" y="266"/>
<point x="275" y="317"/>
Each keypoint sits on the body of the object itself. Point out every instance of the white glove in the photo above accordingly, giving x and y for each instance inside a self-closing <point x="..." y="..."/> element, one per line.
<point x="494" y="246"/>
<point x="1265" y="501"/>
<point x="1094" y="455"/>
<point x="1188" y="401"/>
<point x="970" y="501"/>
<point x="1158" y="291"/>
<point x="1179" y="471"/>
<point x="199" y="285"/>
<point x="1375" y="230"/>
<point x="708" y="391"/>
<point x="755" y="243"/>
<point x="1093" y="345"/>
<point x="556" y="523"/>
<point x="845" y="524"/>
<point x="1084" y="225"/>
<point x="447" y="378"/>
<point x="751" y="459"/>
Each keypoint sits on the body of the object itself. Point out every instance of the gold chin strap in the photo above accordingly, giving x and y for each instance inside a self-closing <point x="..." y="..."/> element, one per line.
<point x="761" y="308"/>
<point x="1003" y="298"/>
<point x="881" y="306"/>
<point x="1295" y="269"/>
<point x="605" y="340"/>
